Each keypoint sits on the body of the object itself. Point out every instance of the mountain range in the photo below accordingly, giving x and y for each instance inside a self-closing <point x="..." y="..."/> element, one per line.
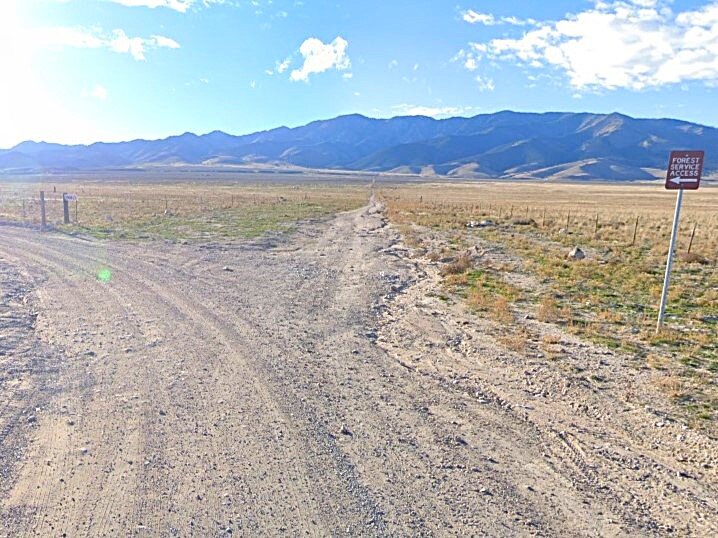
<point x="505" y="144"/>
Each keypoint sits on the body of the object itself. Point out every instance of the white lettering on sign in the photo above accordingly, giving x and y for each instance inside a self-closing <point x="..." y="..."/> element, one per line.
<point x="684" y="170"/>
<point x="683" y="166"/>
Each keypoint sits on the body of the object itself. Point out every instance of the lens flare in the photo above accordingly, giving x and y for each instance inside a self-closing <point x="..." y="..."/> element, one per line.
<point x="104" y="275"/>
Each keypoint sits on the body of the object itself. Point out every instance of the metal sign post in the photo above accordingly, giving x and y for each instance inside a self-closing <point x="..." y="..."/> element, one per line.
<point x="684" y="173"/>
<point x="669" y="262"/>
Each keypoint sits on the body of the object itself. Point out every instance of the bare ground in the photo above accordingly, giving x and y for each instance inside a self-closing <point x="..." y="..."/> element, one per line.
<point x="311" y="385"/>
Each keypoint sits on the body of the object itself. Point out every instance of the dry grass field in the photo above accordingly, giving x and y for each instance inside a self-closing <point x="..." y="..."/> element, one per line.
<point x="177" y="211"/>
<point x="517" y="267"/>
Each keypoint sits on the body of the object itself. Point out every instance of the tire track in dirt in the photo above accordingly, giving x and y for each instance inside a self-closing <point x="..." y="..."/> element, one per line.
<point x="206" y="314"/>
<point x="69" y="455"/>
<point x="41" y="494"/>
<point x="200" y="315"/>
<point x="62" y="268"/>
<point x="189" y="311"/>
<point x="24" y="365"/>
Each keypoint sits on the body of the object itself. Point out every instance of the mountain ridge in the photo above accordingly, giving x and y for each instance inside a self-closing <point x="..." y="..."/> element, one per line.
<point x="505" y="144"/>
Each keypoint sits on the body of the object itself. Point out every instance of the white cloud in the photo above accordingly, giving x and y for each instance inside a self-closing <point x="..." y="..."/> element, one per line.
<point x="630" y="44"/>
<point x="122" y="43"/>
<point x="165" y="42"/>
<point x="470" y="64"/>
<point x="431" y="111"/>
<point x="393" y="64"/>
<point x="320" y="57"/>
<point x="469" y="59"/>
<point x="178" y="5"/>
<point x="117" y="41"/>
<point x="183" y="6"/>
<point x="472" y="17"/>
<point x="485" y="84"/>
<point x="488" y="19"/>
<point x="283" y="66"/>
<point x="253" y="84"/>
<point x="348" y="76"/>
<point x="279" y="67"/>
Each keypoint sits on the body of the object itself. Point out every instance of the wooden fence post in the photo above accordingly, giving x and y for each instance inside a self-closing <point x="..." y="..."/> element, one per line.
<point x="635" y="230"/>
<point x="43" y="218"/>
<point x="65" y="209"/>
<point x="693" y="234"/>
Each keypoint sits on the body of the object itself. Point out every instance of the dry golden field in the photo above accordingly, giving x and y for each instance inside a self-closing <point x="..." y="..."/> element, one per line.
<point x="611" y="297"/>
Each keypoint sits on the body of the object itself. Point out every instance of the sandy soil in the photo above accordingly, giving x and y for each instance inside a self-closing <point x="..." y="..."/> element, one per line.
<point x="309" y="385"/>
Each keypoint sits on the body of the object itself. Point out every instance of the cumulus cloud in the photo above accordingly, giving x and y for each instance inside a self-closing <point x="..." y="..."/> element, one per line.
<point x="629" y="44"/>
<point x="117" y="41"/>
<point x="320" y="57"/>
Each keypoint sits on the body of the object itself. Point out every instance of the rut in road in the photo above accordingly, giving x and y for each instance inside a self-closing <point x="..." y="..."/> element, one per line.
<point x="194" y="400"/>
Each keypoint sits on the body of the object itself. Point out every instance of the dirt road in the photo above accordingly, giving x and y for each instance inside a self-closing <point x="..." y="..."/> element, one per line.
<point x="304" y="386"/>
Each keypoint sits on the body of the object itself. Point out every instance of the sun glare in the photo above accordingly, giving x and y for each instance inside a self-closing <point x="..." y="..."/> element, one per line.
<point x="29" y="105"/>
<point x="16" y="66"/>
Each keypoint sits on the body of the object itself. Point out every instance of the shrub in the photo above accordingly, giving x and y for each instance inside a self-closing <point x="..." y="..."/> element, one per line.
<point x="548" y="310"/>
<point x="460" y="265"/>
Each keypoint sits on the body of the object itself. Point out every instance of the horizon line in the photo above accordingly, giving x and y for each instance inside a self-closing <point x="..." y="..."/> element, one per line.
<point x="140" y="139"/>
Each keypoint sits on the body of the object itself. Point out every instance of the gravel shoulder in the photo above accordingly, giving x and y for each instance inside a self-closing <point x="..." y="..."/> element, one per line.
<point x="308" y="386"/>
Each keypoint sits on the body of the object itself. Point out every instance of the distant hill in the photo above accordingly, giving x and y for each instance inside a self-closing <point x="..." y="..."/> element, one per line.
<point x="502" y="145"/>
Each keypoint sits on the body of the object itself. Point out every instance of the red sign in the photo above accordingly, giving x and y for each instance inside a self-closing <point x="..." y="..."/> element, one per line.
<point x="684" y="170"/>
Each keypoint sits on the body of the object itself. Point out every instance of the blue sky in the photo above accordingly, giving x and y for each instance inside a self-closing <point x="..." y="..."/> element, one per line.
<point x="77" y="71"/>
